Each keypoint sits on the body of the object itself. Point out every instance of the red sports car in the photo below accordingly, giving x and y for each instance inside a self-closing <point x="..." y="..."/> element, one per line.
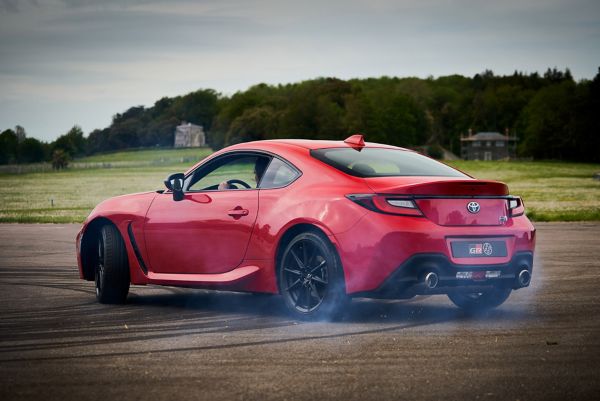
<point x="318" y="222"/>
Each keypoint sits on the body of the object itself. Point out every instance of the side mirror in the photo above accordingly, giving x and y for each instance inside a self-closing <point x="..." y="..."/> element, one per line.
<point x="174" y="183"/>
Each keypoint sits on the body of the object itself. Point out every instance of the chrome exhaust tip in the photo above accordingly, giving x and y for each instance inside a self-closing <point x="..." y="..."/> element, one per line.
<point x="524" y="278"/>
<point x="431" y="280"/>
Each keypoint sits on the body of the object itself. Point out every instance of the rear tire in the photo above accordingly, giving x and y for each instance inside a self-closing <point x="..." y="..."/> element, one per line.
<point x="111" y="270"/>
<point x="479" y="301"/>
<point x="311" y="278"/>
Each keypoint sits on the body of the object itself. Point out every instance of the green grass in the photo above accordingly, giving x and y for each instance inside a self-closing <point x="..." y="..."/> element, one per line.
<point x="148" y="156"/>
<point x="68" y="196"/>
<point x="552" y="191"/>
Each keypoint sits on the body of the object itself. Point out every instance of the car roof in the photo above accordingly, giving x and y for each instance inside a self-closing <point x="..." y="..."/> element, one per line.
<point x="311" y="144"/>
<point x="287" y="148"/>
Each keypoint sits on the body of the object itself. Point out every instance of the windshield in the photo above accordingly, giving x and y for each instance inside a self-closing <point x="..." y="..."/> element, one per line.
<point x="381" y="162"/>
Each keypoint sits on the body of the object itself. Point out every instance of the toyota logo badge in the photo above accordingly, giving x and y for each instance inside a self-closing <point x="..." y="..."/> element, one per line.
<point x="473" y="207"/>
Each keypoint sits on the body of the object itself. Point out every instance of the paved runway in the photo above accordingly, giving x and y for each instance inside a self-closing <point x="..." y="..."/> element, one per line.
<point x="57" y="343"/>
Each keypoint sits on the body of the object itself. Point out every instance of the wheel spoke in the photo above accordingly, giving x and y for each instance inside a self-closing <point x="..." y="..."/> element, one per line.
<point x="298" y="261"/>
<point x="308" y="296"/>
<point x="293" y="271"/>
<point x="312" y="256"/>
<point x="314" y="269"/>
<point x="304" y="254"/>
<point x="319" y="280"/>
<point x="294" y="284"/>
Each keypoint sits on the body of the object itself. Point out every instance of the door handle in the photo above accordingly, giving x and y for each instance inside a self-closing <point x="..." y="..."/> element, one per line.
<point x="238" y="212"/>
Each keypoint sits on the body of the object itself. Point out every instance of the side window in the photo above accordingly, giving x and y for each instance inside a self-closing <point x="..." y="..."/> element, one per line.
<point x="229" y="173"/>
<point x="278" y="174"/>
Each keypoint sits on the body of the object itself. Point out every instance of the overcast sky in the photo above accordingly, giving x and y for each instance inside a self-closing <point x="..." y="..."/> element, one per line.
<point x="66" y="62"/>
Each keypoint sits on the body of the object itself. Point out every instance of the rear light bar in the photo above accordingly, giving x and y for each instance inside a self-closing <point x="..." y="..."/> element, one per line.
<point x="516" y="206"/>
<point x="387" y="204"/>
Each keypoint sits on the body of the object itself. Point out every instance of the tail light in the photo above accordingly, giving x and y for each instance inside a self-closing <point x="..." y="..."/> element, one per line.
<point x="387" y="204"/>
<point x="515" y="206"/>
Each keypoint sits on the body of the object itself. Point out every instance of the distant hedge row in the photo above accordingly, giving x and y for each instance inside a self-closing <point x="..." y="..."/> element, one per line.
<point x="553" y="116"/>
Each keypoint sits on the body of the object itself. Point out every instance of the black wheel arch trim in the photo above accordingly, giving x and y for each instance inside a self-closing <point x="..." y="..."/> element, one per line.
<point x="90" y="235"/>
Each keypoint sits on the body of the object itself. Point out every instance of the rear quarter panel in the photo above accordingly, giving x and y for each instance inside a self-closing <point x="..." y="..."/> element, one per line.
<point x="316" y="198"/>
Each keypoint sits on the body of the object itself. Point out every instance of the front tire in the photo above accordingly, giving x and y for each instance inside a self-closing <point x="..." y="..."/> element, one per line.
<point x="311" y="279"/>
<point x="111" y="274"/>
<point x="479" y="301"/>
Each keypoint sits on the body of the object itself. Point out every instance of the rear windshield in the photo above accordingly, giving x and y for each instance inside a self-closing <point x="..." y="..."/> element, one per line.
<point x="380" y="162"/>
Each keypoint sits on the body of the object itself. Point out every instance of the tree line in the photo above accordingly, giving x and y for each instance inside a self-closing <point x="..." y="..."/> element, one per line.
<point x="553" y="116"/>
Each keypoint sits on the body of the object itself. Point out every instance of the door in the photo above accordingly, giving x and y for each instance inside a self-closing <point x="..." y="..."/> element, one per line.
<point x="209" y="230"/>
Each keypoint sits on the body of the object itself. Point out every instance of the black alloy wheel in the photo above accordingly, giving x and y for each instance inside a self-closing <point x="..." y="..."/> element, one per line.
<point x="310" y="277"/>
<point x="111" y="270"/>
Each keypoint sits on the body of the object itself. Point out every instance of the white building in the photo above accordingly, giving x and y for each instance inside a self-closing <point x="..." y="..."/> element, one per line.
<point x="188" y="135"/>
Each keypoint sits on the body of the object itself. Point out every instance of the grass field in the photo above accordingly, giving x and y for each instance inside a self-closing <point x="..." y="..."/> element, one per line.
<point x="552" y="191"/>
<point x="69" y="196"/>
<point x="148" y="156"/>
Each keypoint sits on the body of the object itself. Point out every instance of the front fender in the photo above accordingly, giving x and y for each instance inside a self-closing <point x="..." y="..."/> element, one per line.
<point x="121" y="211"/>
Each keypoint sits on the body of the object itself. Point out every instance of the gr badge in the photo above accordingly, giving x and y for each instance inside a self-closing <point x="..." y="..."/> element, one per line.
<point x="487" y="248"/>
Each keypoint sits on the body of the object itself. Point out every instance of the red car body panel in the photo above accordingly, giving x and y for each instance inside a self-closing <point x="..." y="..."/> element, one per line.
<point x="386" y="242"/>
<point x="197" y="235"/>
<point x="198" y="242"/>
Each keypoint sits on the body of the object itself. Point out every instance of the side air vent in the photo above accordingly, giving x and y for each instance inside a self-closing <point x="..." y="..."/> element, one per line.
<point x="136" y="250"/>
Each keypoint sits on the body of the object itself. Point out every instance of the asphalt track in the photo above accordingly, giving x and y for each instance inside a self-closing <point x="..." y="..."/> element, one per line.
<point x="57" y="343"/>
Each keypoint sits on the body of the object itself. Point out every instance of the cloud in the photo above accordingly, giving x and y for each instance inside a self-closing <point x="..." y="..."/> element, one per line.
<point x="118" y="53"/>
<point x="15" y="6"/>
<point x="9" y="6"/>
<point x="111" y="35"/>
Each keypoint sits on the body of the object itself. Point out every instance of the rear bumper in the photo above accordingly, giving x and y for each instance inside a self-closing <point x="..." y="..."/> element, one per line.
<point x="380" y="246"/>
<point x="409" y="279"/>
